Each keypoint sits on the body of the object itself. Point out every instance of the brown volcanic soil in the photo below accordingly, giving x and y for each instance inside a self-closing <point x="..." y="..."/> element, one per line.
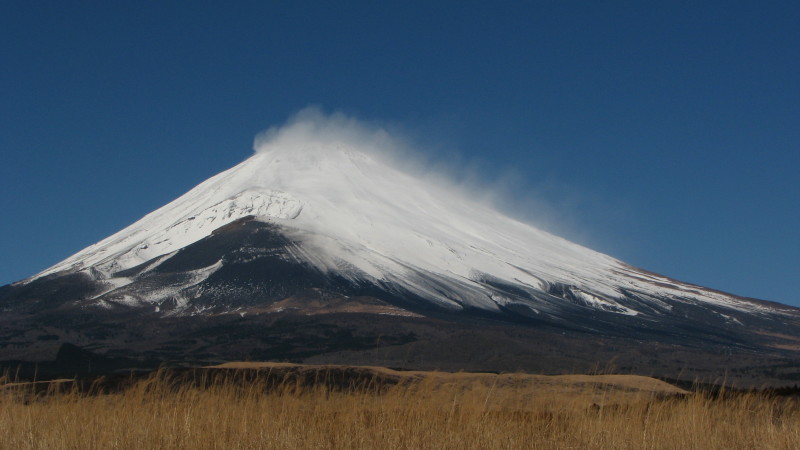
<point x="349" y="305"/>
<point x="609" y="385"/>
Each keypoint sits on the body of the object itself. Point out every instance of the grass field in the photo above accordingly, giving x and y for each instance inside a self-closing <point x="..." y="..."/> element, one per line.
<point x="275" y="406"/>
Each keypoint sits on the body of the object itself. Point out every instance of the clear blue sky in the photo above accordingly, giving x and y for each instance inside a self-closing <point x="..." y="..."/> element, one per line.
<point x="666" y="134"/>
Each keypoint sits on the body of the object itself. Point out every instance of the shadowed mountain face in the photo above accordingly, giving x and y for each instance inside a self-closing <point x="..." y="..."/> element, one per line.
<point x="329" y="255"/>
<point x="262" y="303"/>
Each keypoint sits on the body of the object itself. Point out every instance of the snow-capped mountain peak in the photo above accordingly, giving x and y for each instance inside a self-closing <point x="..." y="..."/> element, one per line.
<point x="326" y="244"/>
<point x="352" y="213"/>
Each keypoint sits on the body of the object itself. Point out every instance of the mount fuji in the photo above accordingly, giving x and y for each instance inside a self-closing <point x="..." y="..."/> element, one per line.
<point x="322" y="248"/>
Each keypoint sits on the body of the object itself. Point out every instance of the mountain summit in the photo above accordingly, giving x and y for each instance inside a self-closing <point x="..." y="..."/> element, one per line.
<point x="329" y="231"/>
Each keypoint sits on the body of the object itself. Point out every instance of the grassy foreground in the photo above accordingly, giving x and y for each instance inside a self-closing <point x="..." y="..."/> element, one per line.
<point x="256" y="409"/>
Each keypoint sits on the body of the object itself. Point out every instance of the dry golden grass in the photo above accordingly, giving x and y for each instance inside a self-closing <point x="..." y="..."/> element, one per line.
<point x="221" y="409"/>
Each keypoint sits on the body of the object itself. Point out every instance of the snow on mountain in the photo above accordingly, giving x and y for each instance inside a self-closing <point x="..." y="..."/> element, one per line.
<point x="353" y="213"/>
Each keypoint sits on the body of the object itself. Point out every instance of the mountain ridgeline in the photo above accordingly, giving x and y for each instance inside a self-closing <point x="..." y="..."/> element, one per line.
<point x="324" y="252"/>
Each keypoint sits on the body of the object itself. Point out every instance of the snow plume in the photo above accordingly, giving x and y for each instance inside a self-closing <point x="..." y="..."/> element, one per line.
<point x="311" y="129"/>
<point x="312" y="132"/>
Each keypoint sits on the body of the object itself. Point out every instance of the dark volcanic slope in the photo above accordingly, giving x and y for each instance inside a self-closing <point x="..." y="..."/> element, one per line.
<point x="261" y="301"/>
